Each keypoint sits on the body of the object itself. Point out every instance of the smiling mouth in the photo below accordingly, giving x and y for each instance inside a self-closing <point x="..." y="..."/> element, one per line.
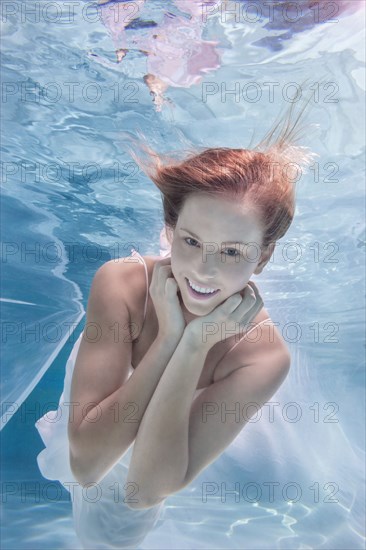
<point x="200" y="295"/>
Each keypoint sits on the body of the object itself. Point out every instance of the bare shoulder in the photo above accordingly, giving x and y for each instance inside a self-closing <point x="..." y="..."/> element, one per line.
<point x="129" y="267"/>
<point x="262" y="342"/>
<point x="261" y="345"/>
<point x="127" y="275"/>
<point x="269" y="331"/>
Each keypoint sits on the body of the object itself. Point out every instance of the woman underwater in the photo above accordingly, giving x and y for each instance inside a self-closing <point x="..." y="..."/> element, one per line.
<point x="164" y="352"/>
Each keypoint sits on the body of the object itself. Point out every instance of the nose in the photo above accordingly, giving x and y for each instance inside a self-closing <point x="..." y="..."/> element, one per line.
<point x="207" y="270"/>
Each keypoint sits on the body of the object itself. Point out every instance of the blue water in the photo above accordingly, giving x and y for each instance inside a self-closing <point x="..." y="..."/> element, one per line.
<point x="71" y="201"/>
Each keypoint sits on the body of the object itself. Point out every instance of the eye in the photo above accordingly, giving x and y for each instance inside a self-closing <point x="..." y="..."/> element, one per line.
<point x="234" y="250"/>
<point x="189" y="239"/>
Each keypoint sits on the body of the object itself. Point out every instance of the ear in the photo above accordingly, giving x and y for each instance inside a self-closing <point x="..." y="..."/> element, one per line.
<point x="265" y="257"/>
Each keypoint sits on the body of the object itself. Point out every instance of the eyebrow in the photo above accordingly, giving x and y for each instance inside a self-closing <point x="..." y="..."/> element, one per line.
<point x="226" y="241"/>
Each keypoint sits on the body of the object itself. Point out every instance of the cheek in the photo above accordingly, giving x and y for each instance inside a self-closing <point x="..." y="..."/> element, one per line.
<point x="239" y="275"/>
<point x="180" y="257"/>
<point x="176" y="265"/>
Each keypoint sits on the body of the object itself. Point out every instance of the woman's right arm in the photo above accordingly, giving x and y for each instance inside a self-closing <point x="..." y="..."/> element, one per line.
<point x="106" y="410"/>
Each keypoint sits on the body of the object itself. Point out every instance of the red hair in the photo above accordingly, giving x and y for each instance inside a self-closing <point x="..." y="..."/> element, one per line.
<point x="263" y="176"/>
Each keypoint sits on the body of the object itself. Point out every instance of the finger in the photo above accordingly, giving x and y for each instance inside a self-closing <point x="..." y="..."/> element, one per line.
<point x="248" y="304"/>
<point x="160" y="273"/>
<point x="171" y="284"/>
<point x="164" y="261"/>
<point x="258" y="302"/>
<point x="233" y="301"/>
<point x="160" y="265"/>
<point x="165" y="271"/>
<point x="256" y="292"/>
<point x="249" y="292"/>
<point x="248" y="296"/>
<point x="253" y="287"/>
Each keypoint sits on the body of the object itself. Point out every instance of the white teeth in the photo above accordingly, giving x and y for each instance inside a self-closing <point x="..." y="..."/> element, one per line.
<point x="199" y="289"/>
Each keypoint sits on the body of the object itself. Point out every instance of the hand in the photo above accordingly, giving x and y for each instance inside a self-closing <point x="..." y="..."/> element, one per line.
<point x="229" y="318"/>
<point x="163" y="291"/>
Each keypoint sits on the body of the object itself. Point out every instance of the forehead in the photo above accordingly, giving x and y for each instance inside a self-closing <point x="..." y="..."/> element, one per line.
<point x="219" y="213"/>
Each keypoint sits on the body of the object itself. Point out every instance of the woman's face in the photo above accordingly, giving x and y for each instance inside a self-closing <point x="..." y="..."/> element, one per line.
<point x="216" y="245"/>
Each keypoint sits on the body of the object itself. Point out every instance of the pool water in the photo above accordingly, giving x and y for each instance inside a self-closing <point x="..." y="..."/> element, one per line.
<point x="72" y="200"/>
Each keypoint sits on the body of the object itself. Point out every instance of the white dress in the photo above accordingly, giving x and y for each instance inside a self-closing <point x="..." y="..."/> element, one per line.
<point x="101" y="517"/>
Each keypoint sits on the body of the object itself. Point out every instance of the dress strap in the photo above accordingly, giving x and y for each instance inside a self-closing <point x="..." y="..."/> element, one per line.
<point x="246" y="334"/>
<point x="133" y="251"/>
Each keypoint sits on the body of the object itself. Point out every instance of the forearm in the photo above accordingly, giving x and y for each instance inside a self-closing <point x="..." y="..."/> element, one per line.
<point x="96" y="445"/>
<point x="160" y="456"/>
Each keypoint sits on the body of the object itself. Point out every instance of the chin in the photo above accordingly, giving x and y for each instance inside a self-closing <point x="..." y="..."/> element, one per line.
<point x="200" y="310"/>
